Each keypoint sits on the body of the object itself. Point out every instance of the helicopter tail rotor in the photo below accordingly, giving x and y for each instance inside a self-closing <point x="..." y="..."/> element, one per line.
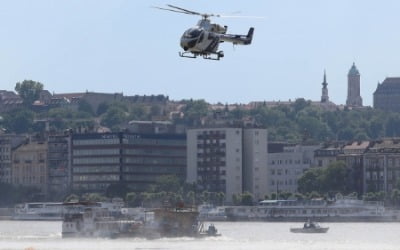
<point x="249" y="36"/>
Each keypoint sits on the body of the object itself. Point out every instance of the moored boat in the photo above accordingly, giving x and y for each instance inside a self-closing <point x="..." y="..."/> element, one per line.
<point x="38" y="211"/>
<point x="84" y="219"/>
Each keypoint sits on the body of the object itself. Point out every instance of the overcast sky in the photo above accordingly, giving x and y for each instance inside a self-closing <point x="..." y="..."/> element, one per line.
<point x="126" y="46"/>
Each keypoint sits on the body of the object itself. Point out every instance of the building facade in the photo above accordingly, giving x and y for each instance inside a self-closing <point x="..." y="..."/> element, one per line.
<point x="59" y="165"/>
<point x="29" y="165"/>
<point x="387" y="95"/>
<point x="285" y="167"/>
<point x="327" y="154"/>
<point x="382" y="166"/>
<point x="228" y="160"/>
<point x="354" y="99"/>
<point x="352" y="154"/>
<point x="255" y="153"/>
<point x="137" y="160"/>
<point x="7" y="143"/>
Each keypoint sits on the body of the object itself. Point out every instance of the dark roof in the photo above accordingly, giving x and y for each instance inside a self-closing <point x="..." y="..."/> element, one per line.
<point x="390" y="86"/>
<point x="354" y="71"/>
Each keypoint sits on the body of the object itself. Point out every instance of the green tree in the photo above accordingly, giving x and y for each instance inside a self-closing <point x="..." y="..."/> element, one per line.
<point x="19" y="121"/>
<point x="194" y="111"/>
<point x="131" y="199"/>
<point x="114" y="116"/>
<point x="236" y="199"/>
<point x="102" y="108"/>
<point x="247" y="199"/>
<point x="29" y="91"/>
<point x="95" y="197"/>
<point x="168" y="183"/>
<point x="310" y="181"/>
<point x="71" y="198"/>
<point x="335" y="178"/>
<point x="84" y="106"/>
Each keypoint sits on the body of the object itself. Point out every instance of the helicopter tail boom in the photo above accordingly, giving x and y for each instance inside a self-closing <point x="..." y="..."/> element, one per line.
<point x="238" y="39"/>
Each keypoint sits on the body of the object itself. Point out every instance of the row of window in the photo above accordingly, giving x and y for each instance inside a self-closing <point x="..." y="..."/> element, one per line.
<point x="149" y="178"/>
<point x="153" y="170"/>
<point x="167" y="151"/>
<point x="286" y="171"/>
<point x="290" y="161"/>
<point x="4" y="149"/>
<point x="130" y="160"/>
<point x="81" y="152"/>
<point x="158" y="160"/>
<point x="142" y="141"/>
<point x="112" y="141"/>
<point x="96" y="169"/>
<point x="98" y="160"/>
<point x="283" y="182"/>
<point x="107" y="177"/>
<point x="91" y="186"/>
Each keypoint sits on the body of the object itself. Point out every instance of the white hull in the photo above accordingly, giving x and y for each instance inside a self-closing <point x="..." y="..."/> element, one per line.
<point x="310" y="230"/>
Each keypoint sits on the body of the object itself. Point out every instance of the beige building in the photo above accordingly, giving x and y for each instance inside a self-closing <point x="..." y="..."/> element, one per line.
<point x="7" y="143"/>
<point x="29" y="165"/>
<point x="382" y="166"/>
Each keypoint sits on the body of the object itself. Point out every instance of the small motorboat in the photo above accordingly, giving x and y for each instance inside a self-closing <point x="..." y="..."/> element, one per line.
<point x="310" y="227"/>
<point x="210" y="232"/>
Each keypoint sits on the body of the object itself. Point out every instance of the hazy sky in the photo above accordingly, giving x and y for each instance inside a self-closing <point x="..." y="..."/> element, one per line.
<point x="126" y="46"/>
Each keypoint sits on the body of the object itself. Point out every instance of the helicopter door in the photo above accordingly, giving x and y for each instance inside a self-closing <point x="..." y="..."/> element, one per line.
<point x="213" y="42"/>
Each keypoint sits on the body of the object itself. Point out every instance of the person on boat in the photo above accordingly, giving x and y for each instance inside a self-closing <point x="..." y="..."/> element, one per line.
<point x="211" y="230"/>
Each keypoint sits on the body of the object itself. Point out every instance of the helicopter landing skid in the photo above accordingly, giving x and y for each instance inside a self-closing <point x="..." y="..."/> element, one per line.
<point x="187" y="55"/>
<point x="208" y="56"/>
<point x="214" y="56"/>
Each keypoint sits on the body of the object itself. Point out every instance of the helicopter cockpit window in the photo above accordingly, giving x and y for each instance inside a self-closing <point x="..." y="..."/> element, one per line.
<point x="192" y="33"/>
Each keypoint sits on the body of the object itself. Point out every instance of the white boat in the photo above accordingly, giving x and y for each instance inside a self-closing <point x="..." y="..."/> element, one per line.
<point x="310" y="227"/>
<point x="341" y="209"/>
<point x="92" y="219"/>
<point x="38" y="211"/>
<point x="209" y="212"/>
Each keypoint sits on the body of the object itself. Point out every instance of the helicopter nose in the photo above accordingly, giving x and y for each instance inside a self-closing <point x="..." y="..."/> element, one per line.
<point x="188" y="43"/>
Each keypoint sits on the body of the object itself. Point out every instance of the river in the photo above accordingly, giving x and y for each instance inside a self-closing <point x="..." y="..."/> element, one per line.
<point x="42" y="235"/>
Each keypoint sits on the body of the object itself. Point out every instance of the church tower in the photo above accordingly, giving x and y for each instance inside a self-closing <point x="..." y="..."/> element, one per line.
<point x="324" y="96"/>
<point x="353" y="88"/>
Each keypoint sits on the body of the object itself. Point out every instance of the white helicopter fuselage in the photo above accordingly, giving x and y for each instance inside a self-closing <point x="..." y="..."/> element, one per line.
<point x="205" y="38"/>
<point x="199" y="40"/>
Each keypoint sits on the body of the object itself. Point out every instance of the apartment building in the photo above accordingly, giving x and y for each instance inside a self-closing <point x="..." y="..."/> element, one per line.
<point x="7" y="143"/>
<point x="352" y="154"/>
<point x="382" y="166"/>
<point x="228" y="160"/>
<point x="286" y="166"/>
<point x="59" y="164"/>
<point x="29" y="165"/>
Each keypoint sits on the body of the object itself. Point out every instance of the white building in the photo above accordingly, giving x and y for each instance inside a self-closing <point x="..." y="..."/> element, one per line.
<point x="228" y="160"/>
<point x="286" y="167"/>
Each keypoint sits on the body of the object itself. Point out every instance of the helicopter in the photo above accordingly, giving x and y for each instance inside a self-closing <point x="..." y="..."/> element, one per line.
<point x="204" y="39"/>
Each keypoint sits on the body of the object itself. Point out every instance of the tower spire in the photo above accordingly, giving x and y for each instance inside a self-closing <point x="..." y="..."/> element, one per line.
<point x="324" y="96"/>
<point x="324" y="83"/>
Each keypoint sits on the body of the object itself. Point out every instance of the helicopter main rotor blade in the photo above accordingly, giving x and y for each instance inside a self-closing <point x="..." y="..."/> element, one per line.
<point x="255" y="17"/>
<point x="182" y="9"/>
<point x="182" y="12"/>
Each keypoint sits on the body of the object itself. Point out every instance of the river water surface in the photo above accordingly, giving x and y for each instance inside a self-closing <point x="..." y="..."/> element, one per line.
<point x="39" y="235"/>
